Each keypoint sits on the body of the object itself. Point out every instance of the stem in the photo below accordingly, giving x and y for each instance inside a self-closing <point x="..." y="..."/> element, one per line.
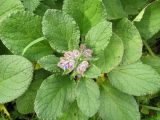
<point x="4" y="109"/>
<point x="148" y="48"/>
<point x="151" y="108"/>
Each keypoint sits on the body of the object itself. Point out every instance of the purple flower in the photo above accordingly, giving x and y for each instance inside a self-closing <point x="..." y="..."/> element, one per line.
<point x="87" y="53"/>
<point x="82" y="67"/>
<point x="72" y="54"/>
<point x="66" y="64"/>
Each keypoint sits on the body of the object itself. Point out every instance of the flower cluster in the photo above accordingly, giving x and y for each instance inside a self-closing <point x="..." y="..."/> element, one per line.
<point x="76" y="60"/>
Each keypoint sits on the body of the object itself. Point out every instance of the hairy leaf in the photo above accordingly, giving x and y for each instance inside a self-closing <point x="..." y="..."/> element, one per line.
<point x="131" y="39"/>
<point x="51" y="97"/>
<point x="9" y="6"/>
<point x="112" y="55"/>
<point x="87" y="13"/>
<point x="135" y="79"/>
<point x="61" y="30"/>
<point x="88" y="97"/>
<point x="49" y="63"/>
<point x="98" y="36"/>
<point x="116" y="105"/>
<point x="15" y="76"/>
<point x="20" y="29"/>
<point x="31" y="5"/>
<point x="149" y="24"/>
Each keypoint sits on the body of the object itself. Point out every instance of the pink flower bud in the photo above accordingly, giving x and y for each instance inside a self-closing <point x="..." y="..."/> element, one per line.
<point x="82" y="67"/>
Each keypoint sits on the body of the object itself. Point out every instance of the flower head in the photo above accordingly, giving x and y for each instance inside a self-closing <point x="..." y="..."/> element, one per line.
<point x="76" y="61"/>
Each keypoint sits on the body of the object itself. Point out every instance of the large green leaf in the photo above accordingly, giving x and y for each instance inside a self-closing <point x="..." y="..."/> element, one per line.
<point x="25" y="103"/>
<point x="87" y="13"/>
<point x="114" y="9"/>
<point x="50" y="63"/>
<point x="9" y="6"/>
<point x="149" y="24"/>
<point x="61" y="30"/>
<point x="112" y="55"/>
<point x="15" y="76"/>
<point x="122" y="8"/>
<point x="98" y="36"/>
<point x="131" y="40"/>
<point x="31" y="5"/>
<point x="135" y="79"/>
<point x="116" y="105"/>
<point x="51" y="97"/>
<point x="73" y="113"/>
<point x="132" y="7"/>
<point x="20" y="29"/>
<point x="152" y="61"/>
<point x="88" y="94"/>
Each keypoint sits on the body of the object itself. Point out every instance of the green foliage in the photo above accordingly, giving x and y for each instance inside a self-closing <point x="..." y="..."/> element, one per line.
<point x="79" y="59"/>
<point x="15" y="76"/>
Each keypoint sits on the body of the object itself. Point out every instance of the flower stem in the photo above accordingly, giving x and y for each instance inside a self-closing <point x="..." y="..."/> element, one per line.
<point x="148" y="48"/>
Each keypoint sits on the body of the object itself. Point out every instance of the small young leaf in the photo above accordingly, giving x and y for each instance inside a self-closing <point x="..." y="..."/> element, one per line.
<point x="135" y="79"/>
<point x="116" y="105"/>
<point x="87" y="13"/>
<point x="50" y="63"/>
<point x="131" y="39"/>
<point x="92" y="72"/>
<point x="149" y="24"/>
<point x="88" y="94"/>
<point x="15" y="76"/>
<point x="51" y="97"/>
<point x="31" y="5"/>
<point x="98" y="36"/>
<point x="112" y="55"/>
<point x="61" y="30"/>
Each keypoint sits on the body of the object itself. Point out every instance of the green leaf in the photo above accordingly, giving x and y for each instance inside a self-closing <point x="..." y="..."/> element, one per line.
<point x="73" y="113"/>
<point x="92" y="72"/>
<point x="135" y="79"/>
<point x="51" y="97"/>
<point x="131" y="39"/>
<point x="9" y="6"/>
<point x="34" y="51"/>
<point x="87" y="13"/>
<point x="31" y="5"/>
<point x="25" y="103"/>
<point x="114" y="9"/>
<point x="15" y="32"/>
<point x="15" y="76"/>
<point x="88" y="94"/>
<point x="152" y="61"/>
<point x="116" y="105"/>
<point x="49" y="63"/>
<point x="61" y="30"/>
<point x="122" y="8"/>
<point x="112" y="55"/>
<point x="133" y="7"/>
<point x="149" y="24"/>
<point x="101" y="33"/>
